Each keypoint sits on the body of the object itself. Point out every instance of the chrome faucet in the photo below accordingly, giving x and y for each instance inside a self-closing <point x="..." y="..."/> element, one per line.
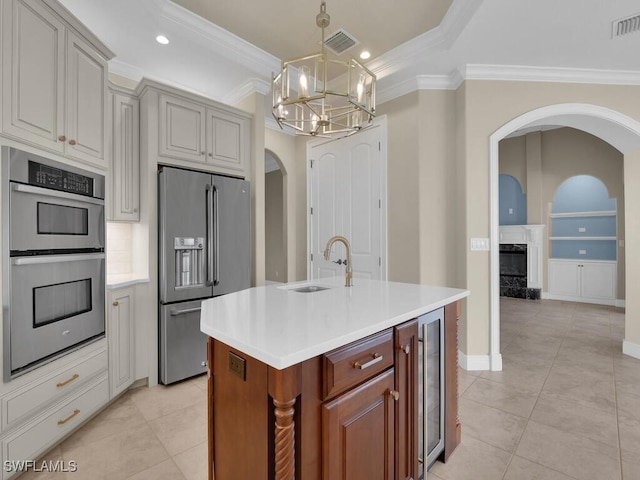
<point x="327" y="251"/>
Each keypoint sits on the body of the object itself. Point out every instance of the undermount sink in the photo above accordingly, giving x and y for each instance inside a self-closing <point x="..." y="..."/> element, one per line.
<point x="309" y="289"/>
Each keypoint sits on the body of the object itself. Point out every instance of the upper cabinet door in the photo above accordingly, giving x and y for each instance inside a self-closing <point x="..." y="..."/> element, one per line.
<point x="54" y="85"/>
<point x="182" y="127"/>
<point x="125" y="167"/>
<point x="33" y="73"/>
<point x="226" y="136"/>
<point x="86" y="101"/>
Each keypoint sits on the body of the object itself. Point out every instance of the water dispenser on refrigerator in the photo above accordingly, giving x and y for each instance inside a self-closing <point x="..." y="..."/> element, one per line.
<point x="190" y="261"/>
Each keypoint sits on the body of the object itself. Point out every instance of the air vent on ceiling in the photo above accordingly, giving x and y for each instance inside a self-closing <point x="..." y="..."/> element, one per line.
<point x="340" y="41"/>
<point x="626" y="25"/>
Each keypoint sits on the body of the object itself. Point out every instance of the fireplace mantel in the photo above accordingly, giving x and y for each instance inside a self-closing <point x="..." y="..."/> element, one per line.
<point x="532" y="236"/>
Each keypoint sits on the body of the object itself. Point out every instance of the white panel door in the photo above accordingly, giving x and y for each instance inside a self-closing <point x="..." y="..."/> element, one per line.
<point x="346" y="199"/>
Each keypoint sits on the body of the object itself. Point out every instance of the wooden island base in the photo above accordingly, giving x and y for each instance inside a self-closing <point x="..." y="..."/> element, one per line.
<point x="349" y="414"/>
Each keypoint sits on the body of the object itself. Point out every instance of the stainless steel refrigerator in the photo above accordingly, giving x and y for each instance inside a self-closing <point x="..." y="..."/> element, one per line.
<point x="204" y="251"/>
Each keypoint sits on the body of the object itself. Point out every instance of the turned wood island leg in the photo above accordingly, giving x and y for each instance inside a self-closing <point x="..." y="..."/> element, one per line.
<point x="284" y="386"/>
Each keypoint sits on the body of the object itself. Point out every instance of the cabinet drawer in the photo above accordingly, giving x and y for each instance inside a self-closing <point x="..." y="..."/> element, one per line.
<point x="36" y="437"/>
<point x="37" y="395"/>
<point x="352" y="364"/>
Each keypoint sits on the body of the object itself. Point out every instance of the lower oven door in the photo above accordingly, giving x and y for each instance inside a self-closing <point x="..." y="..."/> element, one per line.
<point x="56" y="305"/>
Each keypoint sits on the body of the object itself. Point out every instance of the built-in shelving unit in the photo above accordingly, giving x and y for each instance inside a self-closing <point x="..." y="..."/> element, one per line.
<point x="583" y="236"/>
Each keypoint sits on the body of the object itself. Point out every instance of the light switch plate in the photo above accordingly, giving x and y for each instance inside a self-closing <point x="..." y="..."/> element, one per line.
<point x="480" y="244"/>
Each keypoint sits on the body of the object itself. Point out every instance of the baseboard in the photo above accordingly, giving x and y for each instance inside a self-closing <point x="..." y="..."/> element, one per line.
<point x="474" y="362"/>
<point x="567" y="298"/>
<point x="631" y="349"/>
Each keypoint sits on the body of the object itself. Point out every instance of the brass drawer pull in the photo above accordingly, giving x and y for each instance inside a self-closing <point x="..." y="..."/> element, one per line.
<point x="376" y="358"/>
<point x="75" y="412"/>
<point x="62" y="384"/>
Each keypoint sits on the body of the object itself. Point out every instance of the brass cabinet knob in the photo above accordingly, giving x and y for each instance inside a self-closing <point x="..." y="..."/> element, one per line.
<point x="115" y="304"/>
<point x="395" y="394"/>
<point x="72" y="142"/>
<point x="62" y="138"/>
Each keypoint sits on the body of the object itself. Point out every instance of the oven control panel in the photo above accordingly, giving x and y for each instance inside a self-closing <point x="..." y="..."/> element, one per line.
<point x="58" y="179"/>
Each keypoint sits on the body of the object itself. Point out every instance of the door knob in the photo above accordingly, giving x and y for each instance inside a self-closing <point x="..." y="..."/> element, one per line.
<point x="340" y="261"/>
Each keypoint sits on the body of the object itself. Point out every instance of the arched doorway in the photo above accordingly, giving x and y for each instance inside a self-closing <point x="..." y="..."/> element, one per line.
<point x="619" y="130"/>
<point x="275" y="219"/>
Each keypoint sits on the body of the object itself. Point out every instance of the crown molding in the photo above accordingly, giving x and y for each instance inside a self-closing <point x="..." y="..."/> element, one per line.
<point x="523" y="73"/>
<point x="251" y="86"/>
<point x="224" y="42"/>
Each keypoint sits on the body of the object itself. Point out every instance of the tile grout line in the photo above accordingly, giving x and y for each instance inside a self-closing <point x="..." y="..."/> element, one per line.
<point x="534" y="407"/>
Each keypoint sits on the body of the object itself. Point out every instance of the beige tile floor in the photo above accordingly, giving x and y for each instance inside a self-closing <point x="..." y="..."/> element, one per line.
<point x="157" y="433"/>
<point x="566" y="406"/>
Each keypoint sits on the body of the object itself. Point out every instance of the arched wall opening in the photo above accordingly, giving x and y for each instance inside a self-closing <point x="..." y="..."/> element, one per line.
<point x="617" y="129"/>
<point x="275" y="206"/>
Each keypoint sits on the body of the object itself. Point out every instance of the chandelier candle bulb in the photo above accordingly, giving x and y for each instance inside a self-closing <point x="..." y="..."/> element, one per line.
<point x="303" y="82"/>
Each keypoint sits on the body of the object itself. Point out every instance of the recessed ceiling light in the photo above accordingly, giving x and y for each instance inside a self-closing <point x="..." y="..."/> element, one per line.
<point x="161" y="39"/>
<point x="364" y="55"/>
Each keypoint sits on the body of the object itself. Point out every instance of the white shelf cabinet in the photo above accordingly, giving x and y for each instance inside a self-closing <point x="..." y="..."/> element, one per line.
<point x="194" y="132"/>
<point x="54" y="81"/>
<point x="41" y="407"/>
<point x="124" y="175"/>
<point x="191" y="131"/>
<point x="591" y="281"/>
<point x="121" y="335"/>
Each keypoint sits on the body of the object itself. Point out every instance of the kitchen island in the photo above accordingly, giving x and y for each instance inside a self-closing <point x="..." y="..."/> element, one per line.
<point x="319" y="381"/>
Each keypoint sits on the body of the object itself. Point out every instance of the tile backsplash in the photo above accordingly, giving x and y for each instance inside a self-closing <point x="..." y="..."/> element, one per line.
<point x="118" y="248"/>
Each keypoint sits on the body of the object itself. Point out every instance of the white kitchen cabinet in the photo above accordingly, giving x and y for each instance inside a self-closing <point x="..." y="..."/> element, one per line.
<point x="41" y="407"/>
<point x="124" y="178"/>
<point x="54" y="81"/>
<point x="182" y="129"/>
<point x="582" y="281"/>
<point x="55" y="423"/>
<point x="226" y="145"/>
<point x="121" y="335"/>
<point x="190" y="131"/>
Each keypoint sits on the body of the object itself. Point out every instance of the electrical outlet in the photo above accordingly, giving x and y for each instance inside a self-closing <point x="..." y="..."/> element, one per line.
<point x="511" y="211"/>
<point x="237" y="365"/>
<point x="582" y="229"/>
<point x="582" y="252"/>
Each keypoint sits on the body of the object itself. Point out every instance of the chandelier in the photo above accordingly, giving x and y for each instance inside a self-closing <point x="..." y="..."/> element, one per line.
<point x="320" y="96"/>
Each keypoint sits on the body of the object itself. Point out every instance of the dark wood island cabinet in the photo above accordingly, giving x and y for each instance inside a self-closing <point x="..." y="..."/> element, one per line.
<point x="348" y="414"/>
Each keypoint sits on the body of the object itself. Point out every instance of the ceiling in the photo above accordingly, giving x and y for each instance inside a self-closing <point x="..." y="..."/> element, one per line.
<point x="226" y="50"/>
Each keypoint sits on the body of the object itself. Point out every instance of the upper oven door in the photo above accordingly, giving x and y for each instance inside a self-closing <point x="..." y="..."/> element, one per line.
<point x="43" y="219"/>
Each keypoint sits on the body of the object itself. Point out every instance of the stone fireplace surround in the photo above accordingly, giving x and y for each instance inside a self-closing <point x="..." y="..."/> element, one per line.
<point x="519" y="238"/>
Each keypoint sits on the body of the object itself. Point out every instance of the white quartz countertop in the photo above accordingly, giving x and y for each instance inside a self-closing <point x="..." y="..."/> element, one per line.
<point x="281" y="327"/>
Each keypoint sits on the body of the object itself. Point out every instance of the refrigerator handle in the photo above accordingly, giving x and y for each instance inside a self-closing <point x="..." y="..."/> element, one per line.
<point x="209" y="253"/>
<point x="216" y="235"/>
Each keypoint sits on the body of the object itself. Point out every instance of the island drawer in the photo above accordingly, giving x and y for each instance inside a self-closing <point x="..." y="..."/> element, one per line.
<point x="352" y="364"/>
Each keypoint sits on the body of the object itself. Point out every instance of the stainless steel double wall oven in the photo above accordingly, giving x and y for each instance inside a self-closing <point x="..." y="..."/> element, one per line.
<point x="53" y="240"/>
